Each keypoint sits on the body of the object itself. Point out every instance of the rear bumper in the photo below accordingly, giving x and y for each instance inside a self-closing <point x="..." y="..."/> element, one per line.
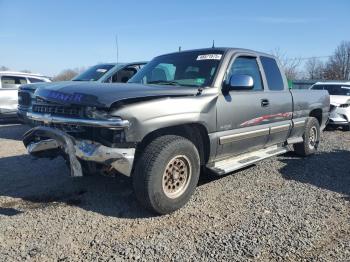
<point x="338" y="123"/>
<point x="51" y="142"/>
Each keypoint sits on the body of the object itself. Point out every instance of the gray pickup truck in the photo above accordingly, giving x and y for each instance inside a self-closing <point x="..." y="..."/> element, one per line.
<point x="217" y="109"/>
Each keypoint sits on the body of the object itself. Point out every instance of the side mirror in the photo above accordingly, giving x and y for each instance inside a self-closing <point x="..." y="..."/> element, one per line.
<point x="240" y="82"/>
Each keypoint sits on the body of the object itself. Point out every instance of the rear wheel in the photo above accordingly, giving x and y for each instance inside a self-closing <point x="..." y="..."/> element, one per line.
<point x="166" y="174"/>
<point x="346" y="128"/>
<point x="311" y="138"/>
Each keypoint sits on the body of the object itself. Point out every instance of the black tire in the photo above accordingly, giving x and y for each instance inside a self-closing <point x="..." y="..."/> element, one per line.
<point x="311" y="138"/>
<point x="151" y="169"/>
<point x="346" y="128"/>
<point x="329" y="128"/>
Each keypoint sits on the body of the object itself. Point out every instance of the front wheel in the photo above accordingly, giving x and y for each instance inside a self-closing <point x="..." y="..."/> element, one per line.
<point x="311" y="138"/>
<point x="166" y="174"/>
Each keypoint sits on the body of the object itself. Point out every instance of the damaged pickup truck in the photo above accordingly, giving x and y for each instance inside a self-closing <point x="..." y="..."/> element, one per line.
<point x="217" y="109"/>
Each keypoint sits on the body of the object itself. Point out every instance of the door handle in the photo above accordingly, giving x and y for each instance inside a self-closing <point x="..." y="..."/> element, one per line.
<point x="264" y="102"/>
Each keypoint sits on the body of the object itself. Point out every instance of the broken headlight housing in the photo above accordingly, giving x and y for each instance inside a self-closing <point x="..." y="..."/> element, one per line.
<point x="99" y="114"/>
<point x="107" y="136"/>
<point x="95" y="113"/>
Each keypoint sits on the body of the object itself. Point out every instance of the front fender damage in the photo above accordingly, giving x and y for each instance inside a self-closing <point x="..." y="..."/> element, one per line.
<point x="33" y="141"/>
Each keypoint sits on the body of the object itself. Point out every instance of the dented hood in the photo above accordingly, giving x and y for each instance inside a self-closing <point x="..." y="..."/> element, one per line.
<point x="104" y="95"/>
<point x="32" y="87"/>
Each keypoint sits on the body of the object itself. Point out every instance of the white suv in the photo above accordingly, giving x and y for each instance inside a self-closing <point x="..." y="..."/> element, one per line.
<point x="340" y="102"/>
<point x="9" y="83"/>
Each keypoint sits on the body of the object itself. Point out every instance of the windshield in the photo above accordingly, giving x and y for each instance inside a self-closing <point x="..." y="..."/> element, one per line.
<point x="94" y="73"/>
<point x="336" y="90"/>
<point x="192" y="69"/>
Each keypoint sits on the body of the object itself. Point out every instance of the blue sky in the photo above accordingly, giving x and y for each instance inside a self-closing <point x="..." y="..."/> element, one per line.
<point x="49" y="36"/>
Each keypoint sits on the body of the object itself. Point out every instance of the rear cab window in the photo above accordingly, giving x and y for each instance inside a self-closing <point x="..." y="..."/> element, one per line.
<point x="272" y="73"/>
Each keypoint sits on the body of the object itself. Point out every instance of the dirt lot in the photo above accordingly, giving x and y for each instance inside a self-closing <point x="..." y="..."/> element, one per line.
<point x="283" y="209"/>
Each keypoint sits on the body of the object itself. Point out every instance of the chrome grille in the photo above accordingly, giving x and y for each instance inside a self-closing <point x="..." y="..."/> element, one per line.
<point x="58" y="110"/>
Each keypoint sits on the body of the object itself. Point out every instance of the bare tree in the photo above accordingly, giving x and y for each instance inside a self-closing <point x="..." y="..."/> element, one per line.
<point x="65" y="75"/>
<point x="338" y="65"/>
<point x="289" y="65"/>
<point x="68" y="74"/>
<point x="25" y="71"/>
<point x="314" y="68"/>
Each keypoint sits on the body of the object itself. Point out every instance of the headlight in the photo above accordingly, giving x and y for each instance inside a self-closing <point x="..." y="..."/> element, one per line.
<point x="99" y="114"/>
<point x="94" y="113"/>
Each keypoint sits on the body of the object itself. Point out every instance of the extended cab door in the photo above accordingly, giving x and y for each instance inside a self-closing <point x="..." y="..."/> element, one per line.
<point x="241" y="114"/>
<point x="279" y="101"/>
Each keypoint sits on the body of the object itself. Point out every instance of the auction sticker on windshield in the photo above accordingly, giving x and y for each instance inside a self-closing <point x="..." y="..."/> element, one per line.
<point x="209" y="57"/>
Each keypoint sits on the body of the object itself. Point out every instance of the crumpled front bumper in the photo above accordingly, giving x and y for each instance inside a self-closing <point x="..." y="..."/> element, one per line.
<point x="51" y="142"/>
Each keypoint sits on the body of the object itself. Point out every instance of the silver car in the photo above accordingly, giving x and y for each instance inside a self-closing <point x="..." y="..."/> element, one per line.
<point x="9" y="83"/>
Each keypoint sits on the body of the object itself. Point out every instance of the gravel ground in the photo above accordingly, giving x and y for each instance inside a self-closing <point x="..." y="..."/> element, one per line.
<point x="283" y="209"/>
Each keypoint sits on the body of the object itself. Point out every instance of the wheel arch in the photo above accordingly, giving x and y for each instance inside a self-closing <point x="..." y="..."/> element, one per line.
<point x="197" y="133"/>
<point x="317" y="113"/>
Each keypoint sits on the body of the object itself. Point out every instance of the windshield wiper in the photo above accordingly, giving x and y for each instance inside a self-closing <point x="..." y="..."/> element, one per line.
<point x="164" y="82"/>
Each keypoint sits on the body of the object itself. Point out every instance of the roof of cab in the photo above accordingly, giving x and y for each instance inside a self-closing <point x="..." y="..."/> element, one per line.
<point x="123" y="64"/>
<point x="221" y="49"/>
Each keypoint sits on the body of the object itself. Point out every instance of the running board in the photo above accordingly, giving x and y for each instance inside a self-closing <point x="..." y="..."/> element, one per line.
<point x="234" y="163"/>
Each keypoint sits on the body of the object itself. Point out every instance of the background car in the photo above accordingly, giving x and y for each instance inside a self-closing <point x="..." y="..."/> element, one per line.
<point x="9" y="84"/>
<point x="102" y="73"/>
<point x="340" y="102"/>
<point x="110" y="72"/>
